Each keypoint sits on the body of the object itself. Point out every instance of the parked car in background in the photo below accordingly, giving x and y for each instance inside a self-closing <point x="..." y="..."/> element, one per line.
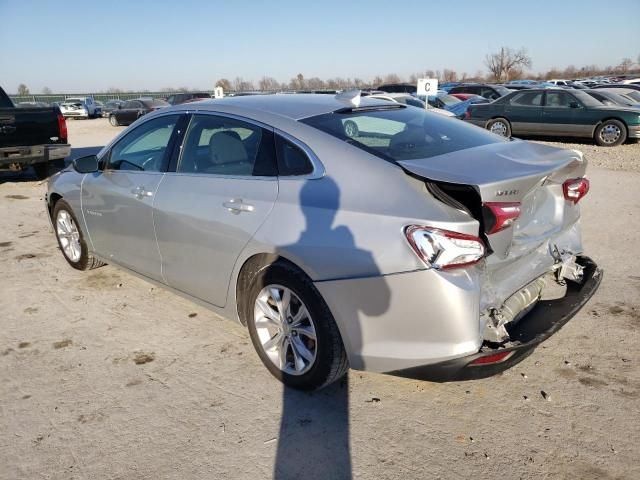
<point x="629" y="86"/>
<point x="179" y="98"/>
<point x="399" y="88"/>
<point x="410" y="100"/>
<point x="472" y="97"/>
<point x="609" y="97"/>
<point x="80" y="107"/>
<point x="557" y="112"/>
<point x="249" y="205"/>
<point x="110" y="106"/>
<point x="131" y="110"/>
<point x="632" y="94"/>
<point x="449" y="103"/>
<point x="492" y="92"/>
<point x="517" y="86"/>
<point x="32" y="136"/>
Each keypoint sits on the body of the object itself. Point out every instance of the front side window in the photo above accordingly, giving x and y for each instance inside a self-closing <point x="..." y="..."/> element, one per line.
<point x="145" y="147"/>
<point x="401" y="133"/>
<point x="527" y="99"/>
<point x="218" y="145"/>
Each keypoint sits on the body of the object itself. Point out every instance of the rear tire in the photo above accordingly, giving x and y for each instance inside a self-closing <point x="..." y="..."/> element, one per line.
<point x="67" y="231"/>
<point x="500" y="126"/>
<point x="351" y="129"/>
<point x="114" y="121"/>
<point x="330" y="362"/>
<point x="610" y="133"/>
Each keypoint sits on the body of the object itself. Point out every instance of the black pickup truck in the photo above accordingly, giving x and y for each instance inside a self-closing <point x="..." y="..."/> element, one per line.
<point x="34" y="137"/>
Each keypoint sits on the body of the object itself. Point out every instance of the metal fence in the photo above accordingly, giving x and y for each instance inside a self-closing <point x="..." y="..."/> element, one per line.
<point x="103" y="97"/>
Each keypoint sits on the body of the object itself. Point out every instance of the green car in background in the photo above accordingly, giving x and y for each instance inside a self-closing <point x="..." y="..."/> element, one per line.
<point x="557" y="112"/>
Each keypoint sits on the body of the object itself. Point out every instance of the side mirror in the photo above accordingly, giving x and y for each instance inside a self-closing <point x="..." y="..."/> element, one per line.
<point x="88" y="164"/>
<point x="574" y="105"/>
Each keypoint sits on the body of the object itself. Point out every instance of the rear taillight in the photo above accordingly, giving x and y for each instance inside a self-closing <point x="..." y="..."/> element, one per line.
<point x="442" y="249"/>
<point x="500" y="215"/>
<point x="62" y="128"/>
<point x="494" y="358"/>
<point x="575" y="189"/>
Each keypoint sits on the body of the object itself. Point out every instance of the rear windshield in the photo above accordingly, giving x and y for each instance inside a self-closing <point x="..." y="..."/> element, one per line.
<point x="401" y="133"/>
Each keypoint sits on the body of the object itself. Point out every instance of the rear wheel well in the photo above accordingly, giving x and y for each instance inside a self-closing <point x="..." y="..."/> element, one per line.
<point x="53" y="199"/>
<point x="248" y="271"/>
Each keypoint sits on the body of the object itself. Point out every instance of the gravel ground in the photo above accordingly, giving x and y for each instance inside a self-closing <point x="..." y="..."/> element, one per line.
<point x="625" y="157"/>
<point x="104" y="376"/>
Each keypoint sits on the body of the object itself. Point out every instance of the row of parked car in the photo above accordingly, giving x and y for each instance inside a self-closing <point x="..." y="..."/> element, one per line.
<point x="607" y="112"/>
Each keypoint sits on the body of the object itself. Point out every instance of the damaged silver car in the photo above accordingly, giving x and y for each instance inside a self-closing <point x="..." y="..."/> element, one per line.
<point x="412" y="244"/>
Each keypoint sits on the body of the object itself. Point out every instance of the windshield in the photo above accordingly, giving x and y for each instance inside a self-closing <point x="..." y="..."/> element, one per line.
<point x="396" y="134"/>
<point x="586" y="99"/>
<point x="635" y="95"/>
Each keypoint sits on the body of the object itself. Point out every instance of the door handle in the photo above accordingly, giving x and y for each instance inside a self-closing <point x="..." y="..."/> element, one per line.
<point x="237" y="206"/>
<point x="141" y="192"/>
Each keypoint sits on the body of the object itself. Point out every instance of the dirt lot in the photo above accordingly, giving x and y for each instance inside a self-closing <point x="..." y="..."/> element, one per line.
<point x="104" y="376"/>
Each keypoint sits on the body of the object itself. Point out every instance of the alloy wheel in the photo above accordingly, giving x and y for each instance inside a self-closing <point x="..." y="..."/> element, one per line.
<point x="68" y="235"/>
<point x="285" y="329"/>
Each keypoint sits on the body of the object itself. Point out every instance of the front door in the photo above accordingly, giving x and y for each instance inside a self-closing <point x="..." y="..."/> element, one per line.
<point x="207" y="210"/>
<point x="117" y="202"/>
<point x="564" y="115"/>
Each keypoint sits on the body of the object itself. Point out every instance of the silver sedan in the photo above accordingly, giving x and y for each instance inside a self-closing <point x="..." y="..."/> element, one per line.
<point x="418" y="245"/>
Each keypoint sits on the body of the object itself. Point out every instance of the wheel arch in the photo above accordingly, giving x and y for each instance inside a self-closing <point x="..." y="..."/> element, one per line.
<point x="595" y="127"/>
<point x="250" y="267"/>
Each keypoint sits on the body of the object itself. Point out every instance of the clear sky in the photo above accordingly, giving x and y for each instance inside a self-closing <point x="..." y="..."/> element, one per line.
<point x="84" y="46"/>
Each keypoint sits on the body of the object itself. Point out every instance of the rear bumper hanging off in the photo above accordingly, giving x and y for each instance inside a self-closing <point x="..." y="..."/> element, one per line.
<point x="546" y="318"/>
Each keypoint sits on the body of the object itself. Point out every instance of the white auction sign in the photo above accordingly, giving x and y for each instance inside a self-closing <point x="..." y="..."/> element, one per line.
<point x="427" y="86"/>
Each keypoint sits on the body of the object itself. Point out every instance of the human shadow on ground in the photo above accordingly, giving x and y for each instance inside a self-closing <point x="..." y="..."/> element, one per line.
<point x="314" y="437"/>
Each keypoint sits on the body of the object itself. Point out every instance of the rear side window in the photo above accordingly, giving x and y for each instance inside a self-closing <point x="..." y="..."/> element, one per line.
<point x="402" y="133"/>
<point x="291" y="159"/>
<point x="527" y="99"/>
<point x="218" y="145"/>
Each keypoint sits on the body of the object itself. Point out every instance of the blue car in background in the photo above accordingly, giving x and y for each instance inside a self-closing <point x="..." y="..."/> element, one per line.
<point x="447" y="102"/>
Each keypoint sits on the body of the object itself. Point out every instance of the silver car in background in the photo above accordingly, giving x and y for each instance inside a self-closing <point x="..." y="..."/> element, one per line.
<point x="419" y="245"/>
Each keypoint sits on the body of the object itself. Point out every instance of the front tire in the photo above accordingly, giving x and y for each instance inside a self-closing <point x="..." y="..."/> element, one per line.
<point x="292" y="328"/>
<point x="610" y="133"/>
<point x="500" y="126"/>
<point x="70" y="238"/>
<point x="114" y="121"/>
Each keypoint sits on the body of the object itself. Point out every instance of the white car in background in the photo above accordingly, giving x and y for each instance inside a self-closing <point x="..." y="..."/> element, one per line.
<point x="80" y="107"/>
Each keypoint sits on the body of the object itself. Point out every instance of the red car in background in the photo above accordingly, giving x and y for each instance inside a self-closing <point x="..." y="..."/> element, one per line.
<point x="470" y="96"/>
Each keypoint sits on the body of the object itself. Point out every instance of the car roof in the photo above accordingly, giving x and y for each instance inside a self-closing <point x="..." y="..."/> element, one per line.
<point x="294" y="106"/>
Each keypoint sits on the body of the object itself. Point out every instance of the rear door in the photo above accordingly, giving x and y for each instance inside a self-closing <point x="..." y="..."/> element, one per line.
<point x="524" y="111"/>
<point x="222" y="190"/>
<point x="117" y="201"/>
<point x="563" y="114"/>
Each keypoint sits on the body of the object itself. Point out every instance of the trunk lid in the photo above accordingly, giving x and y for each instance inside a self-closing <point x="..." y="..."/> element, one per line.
<point x="515" y="171"/>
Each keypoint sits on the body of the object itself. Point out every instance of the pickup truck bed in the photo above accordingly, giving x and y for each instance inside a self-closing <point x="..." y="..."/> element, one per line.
<point x="32" y="137"/>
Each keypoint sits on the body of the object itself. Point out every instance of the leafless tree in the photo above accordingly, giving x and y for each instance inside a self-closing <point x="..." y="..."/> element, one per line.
<point x="46" y="91"/>
<point x="377" y="81"/>
<point x="225" y="84"/>
<point x="625" y="65"/>
<point x="315" y="83"/>
<point x="449" y="75"/>
<point x="503" y="63"/>
<point x="391" y="78"/>
<point x="23" y="89"/>
<point x="268" y="84"/>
